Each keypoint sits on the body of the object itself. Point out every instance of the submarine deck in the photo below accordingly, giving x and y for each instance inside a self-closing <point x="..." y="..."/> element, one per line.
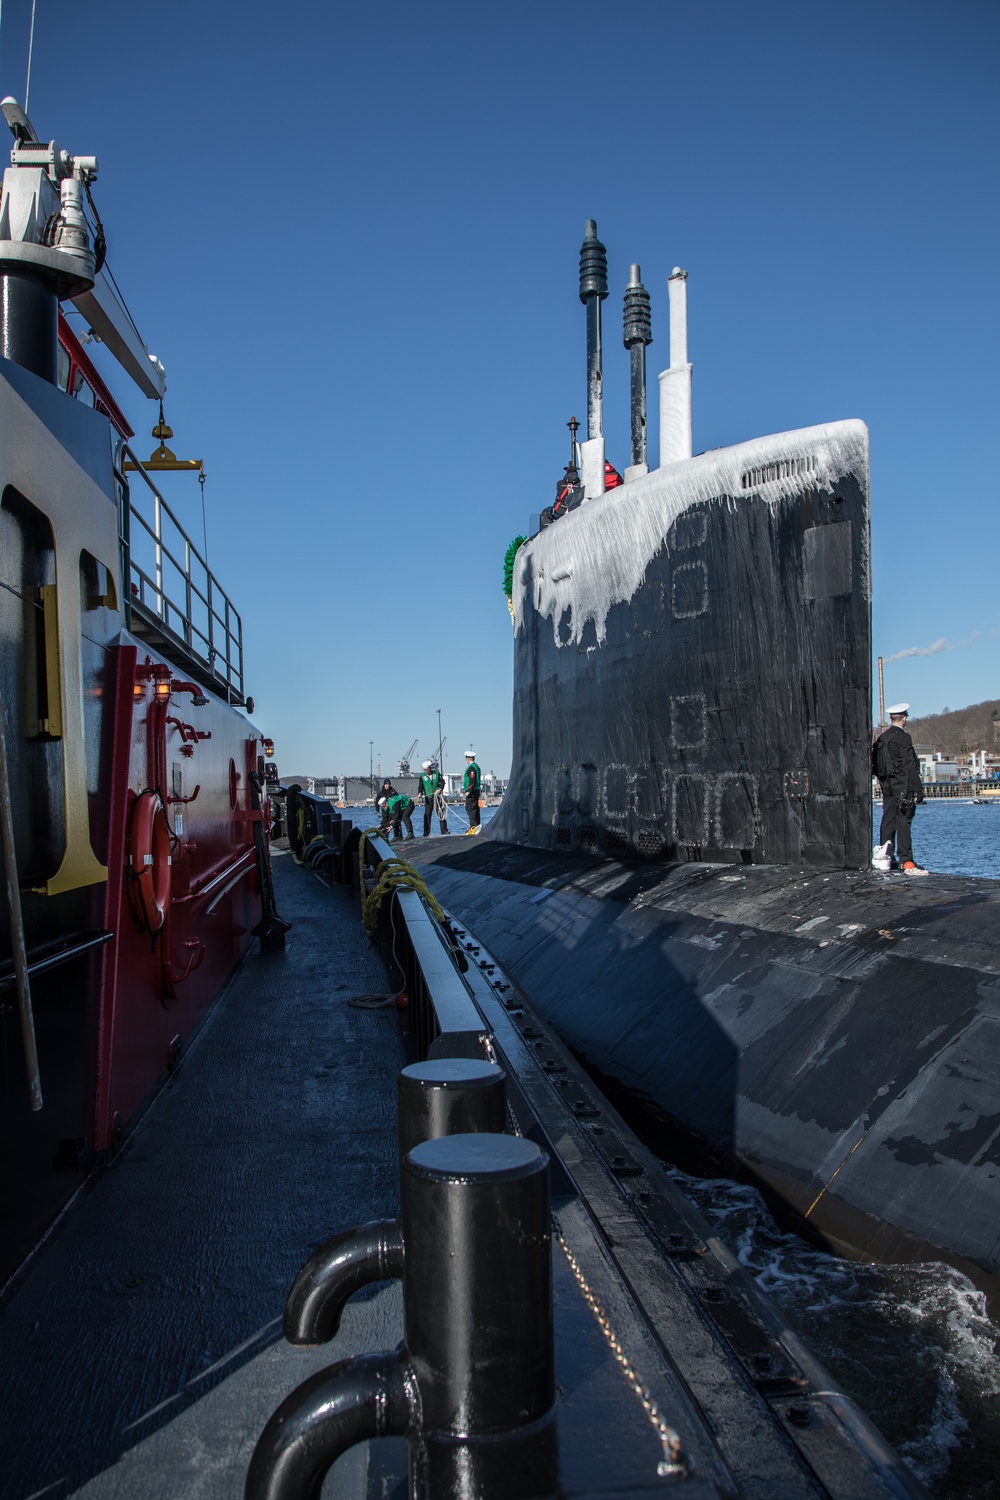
<point x="142" y="1350"/>
<point x="837" y="1033"/>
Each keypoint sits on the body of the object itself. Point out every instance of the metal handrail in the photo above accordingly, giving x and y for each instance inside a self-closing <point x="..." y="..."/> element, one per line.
<point x="216" y="638"/>
<point x="165" y="603"/>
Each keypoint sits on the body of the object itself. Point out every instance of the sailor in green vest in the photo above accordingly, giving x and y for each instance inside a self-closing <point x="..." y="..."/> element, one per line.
<point x="396" y="811"/>
<point x="432" y="788"/>
<point x="472" y="783"/>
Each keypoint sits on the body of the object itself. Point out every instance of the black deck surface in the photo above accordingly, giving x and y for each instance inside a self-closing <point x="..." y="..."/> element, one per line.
<point x="141" y="1353"/>
<point x="141" y="1350"/>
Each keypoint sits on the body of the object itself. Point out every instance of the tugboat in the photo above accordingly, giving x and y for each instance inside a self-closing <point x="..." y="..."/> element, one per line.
<point x="679" y="877"/>
<point x="131" y="884"/>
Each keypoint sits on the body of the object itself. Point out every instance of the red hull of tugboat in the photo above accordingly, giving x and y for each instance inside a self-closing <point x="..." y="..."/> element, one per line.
<point x="110" y="698"/>
<point x="155" y="989"/>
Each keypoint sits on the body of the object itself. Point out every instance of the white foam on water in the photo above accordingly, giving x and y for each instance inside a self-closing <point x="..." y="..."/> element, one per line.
<point x="596" y="556"/>
<point x="929" y="1456"/>
<point x="913" y="1344"/>
<point x="949" y="1320"/>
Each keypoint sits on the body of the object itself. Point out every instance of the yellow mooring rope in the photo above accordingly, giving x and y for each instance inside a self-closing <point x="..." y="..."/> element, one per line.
<point x="392" y="875"/>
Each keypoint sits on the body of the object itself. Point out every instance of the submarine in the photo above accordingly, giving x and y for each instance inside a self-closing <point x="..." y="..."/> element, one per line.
<point x="679" y="879"/>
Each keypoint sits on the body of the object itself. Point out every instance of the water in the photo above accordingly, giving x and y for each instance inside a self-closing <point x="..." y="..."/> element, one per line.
<point x="913" y="1344"/>
<point x="954" y="838"/>
<point x="367" y="817"/>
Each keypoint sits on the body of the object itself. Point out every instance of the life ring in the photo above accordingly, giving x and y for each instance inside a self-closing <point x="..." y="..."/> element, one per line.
<point x="149" y="861"/>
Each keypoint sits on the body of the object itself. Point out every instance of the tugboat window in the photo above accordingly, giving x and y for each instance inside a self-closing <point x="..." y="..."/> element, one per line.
<point x="29" y="683"/>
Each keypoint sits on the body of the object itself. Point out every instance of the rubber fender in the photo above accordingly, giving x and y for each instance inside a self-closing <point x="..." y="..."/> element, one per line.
<point x="312" y="849"/>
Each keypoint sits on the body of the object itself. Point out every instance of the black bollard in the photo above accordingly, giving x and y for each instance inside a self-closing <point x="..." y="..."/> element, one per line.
<point x="449" y="1096"/>
<point x="477" y="1307"/>
<point x="446" y="1096"/>
<point x="473" y="1384"/>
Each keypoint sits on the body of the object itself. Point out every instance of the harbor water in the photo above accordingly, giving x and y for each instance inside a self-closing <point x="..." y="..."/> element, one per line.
<point x="954" y="838"/>
<point x="949" y="837"/>
<point x="458" y="823"/>
<point x="914" y="1343"/>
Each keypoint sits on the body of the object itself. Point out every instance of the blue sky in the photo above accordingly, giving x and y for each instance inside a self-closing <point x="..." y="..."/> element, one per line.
<point x="351" y="234"/>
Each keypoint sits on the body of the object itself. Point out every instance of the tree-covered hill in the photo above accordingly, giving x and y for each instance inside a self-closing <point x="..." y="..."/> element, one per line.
<point x="958" y="731"/>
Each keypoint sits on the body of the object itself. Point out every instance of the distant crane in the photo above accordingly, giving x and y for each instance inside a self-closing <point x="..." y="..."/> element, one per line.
<point x="403" y="764"/>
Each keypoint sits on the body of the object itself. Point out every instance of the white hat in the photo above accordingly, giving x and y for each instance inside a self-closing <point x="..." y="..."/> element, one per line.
<point x="382" y="801"/>
<point x="898" y="708"/>
<point x="470" y="754"/>
<point x="427" y="765"/>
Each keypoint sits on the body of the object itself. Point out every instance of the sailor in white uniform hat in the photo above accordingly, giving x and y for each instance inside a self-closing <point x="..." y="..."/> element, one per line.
<point x="894" y="762"/>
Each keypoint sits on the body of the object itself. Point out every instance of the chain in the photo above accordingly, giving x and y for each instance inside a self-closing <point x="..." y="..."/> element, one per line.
<point x="672" y="1461"/>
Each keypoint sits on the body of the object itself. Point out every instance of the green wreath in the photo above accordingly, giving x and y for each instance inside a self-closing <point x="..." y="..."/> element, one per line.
<point x="508" y="565"/>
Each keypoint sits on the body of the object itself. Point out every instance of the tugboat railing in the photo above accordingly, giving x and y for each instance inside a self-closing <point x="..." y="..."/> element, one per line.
<point x="172" y="587"/>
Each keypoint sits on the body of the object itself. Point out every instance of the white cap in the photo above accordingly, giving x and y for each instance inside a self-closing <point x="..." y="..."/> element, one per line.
<point x="470" y="754"/>
<point x="382" y="801"/>
<point x="898" y="708"/>
<point x="427" y="765"/>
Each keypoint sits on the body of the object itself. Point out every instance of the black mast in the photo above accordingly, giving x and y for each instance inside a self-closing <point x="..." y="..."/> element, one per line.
<point x="637" y="334"/>
<point x="593" y="290"/>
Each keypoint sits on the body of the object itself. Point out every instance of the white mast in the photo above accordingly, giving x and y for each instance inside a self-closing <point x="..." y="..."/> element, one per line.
<point x="675" y="383"/>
